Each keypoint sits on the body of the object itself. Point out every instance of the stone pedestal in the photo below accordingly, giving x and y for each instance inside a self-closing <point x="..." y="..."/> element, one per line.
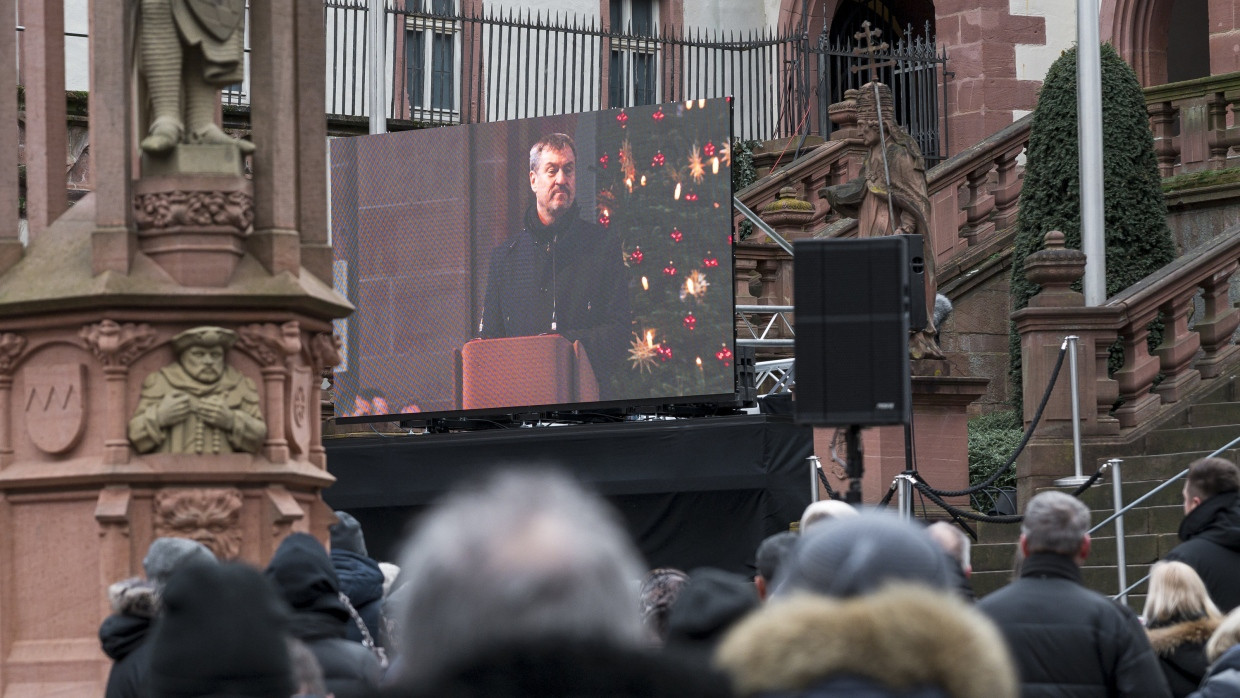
<point x="940" y="437"/>
<point x="78" y="504"/>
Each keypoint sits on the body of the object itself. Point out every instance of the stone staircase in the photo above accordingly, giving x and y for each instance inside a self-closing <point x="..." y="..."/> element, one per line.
<point x="1150" y="529"/>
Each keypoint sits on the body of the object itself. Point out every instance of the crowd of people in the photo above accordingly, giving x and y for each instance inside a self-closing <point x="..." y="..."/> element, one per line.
<point x="525" y="584"/>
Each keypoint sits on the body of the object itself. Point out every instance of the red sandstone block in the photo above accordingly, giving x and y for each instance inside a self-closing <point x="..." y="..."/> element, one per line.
<point x="970" y="94"/>
<point x="1225" y="52"/>
<point x="1005" y="28"/>
<point x="947" y="29"/>
<point x="1222" y="15"/>
<point x="966" y="61"/>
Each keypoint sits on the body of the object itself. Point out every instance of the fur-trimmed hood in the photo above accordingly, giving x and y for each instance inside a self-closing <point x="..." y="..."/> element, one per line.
<point x="1167" y="639"/>
<point x="901" y="637"/>
<point x="134" y="597"/>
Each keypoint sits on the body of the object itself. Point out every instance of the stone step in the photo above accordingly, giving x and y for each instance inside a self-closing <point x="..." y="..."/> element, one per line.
<point x="1141" y="548"/>
<point x="1185" y="439"/>
<point x="1166" y="465"/>
<point x="1099" y="496"/>
<point x="1213" y="414"/>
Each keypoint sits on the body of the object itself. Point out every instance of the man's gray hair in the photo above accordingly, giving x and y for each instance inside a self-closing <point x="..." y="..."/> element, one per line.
<point x="522" y="556"/>
<point x="559" y="142"/>
<point x="1055" y="523"/>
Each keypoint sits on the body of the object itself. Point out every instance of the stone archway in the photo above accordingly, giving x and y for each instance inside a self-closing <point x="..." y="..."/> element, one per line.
<point x="1141" y="31"/>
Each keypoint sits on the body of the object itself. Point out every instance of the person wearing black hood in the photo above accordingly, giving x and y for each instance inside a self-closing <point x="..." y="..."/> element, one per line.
<point x="1210" y="530"/>
<point x="135" y="604"/>
<point x="560" y="274"/>
<point x="360" y="577"/>
<point x="302" y="574"/>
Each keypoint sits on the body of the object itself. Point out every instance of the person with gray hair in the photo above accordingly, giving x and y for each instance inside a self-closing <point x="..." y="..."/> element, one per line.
<point x="957" y="547"/>
<point x="1065" y="638"/>
<point x="135" y="606"/>
<point x="521" y="557"/>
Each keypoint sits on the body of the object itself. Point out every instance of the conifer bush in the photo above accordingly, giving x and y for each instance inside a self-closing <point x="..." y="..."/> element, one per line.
<point x="1137" y="238"/>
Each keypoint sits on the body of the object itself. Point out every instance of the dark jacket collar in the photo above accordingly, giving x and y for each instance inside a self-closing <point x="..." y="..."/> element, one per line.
<point x="1222" y="511"/>
<point x="545" y="233"/>
<point x="1051" y="566"/>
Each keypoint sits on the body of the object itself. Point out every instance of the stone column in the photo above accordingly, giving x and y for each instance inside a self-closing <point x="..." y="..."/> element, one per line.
<point x="43" y="66"/>
<point x="272" y="346"/>
<point x="114" y="240"/>
<point x="273" y="77"/>
<point x="116" y="346"/>
<point x="1053" y="314"/>
<point x="10" y="231"/>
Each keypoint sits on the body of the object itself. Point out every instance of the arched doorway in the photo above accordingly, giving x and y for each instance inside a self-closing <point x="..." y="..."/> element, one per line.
<point x="1163" y="40"/>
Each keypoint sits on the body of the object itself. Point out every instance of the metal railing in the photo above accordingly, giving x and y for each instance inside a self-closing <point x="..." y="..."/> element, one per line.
<point x="775" y="376"/>
<point x="1118" y="516"/>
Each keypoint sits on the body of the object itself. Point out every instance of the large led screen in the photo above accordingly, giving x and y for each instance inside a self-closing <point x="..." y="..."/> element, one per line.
<point x="564" y="261"/>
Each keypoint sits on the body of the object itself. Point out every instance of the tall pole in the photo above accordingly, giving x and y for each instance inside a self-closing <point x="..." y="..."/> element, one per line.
<point x="376" y="69"/>
<point x="1089" y="141"/>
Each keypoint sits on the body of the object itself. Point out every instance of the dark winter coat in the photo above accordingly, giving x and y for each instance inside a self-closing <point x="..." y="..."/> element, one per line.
<point x="905" y="641"/>
<point x="303" y="575"/>
<point x="1223" y="679"/>
<point x="123" y="636"/>
<point x="1068" y="640"/>
<point x="573" y="269"/>
<point x="1211" y="535"/>
<point x="1181" y="650"/>
<point x="362" y="581"/>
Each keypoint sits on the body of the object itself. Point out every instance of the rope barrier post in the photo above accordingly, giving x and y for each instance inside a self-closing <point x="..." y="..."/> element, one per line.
<point x="815" y="466"/>
<point x="904" y="485"/>
<point x="1117" y="497"/>
<point x="1069" y="343"/>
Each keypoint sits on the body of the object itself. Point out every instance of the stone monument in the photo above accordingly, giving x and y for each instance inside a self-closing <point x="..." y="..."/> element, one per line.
<point x="162" y="342"/>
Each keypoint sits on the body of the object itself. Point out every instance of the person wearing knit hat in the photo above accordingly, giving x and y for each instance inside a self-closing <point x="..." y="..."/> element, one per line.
<point x="707" y="607"/>
<point x="135" y="605"/>
<point x="858" y="555"/>
<point x="361" y="580"/>
<point x="222" y="634"/>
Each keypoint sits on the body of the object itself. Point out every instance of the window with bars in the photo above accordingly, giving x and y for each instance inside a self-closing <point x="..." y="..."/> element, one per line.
<point x="432" y="60"/>
<point x="633" y="73"/>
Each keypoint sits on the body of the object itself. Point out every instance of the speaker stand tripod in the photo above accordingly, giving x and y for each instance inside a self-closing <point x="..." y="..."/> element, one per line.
<point x="855" y="466"/>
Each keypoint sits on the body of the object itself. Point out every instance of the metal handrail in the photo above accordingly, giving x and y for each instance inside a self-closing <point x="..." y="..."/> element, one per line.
<point x="1159" y="488"/>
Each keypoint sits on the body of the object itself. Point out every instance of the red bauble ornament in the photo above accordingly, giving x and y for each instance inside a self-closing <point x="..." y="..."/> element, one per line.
<point x="709" y="149"/>
<point x="604" y="221"/>
<point x="603" y="161"/>
<point x="658" y="115"/>
<point x="677" y="236"/>
<point x="710" y="262"/>
<point x="637" y="256"/>
<point x="622" y="117"/>
<point x="724" y="355"/>
<point x="669" y="269"/>
<point x="658" y="159"/>
<point x="690" y="322"/>
<point x="664" y="352"/>
<point x="691" y="197"/>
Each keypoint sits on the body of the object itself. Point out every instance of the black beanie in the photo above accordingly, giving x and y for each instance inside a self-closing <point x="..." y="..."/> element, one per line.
<point x="347" y="534"/>
<point x="221" y="633"/>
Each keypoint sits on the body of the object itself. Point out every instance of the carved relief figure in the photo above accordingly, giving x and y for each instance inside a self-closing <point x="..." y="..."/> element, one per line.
<point x="866" y="198"/>
<point x="190" y="49"/>
<point x="198" y="404"/>
<point x="211" y="516"/>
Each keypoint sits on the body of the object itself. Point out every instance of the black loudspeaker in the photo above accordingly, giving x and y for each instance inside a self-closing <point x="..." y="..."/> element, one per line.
<point x="916" y="283"/>
<point x="852" y="324"/>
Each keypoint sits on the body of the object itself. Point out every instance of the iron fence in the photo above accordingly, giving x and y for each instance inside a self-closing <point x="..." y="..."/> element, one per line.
<point x="913" y="66"/>
<point x="444" y="65"/>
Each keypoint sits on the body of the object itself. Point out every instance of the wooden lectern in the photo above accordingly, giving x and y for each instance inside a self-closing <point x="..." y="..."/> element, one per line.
<point x="518" y="371"/>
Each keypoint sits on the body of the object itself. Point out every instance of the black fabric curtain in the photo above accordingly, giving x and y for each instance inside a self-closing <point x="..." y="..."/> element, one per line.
<point x="693" y="492"/>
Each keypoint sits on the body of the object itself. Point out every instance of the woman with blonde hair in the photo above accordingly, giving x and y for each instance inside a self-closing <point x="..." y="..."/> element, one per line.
<point x="1223" y="651"/>
<point x="1180" y="618"/>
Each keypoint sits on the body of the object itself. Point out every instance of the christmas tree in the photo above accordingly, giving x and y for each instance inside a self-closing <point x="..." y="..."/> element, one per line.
<point x="664" y="179"/>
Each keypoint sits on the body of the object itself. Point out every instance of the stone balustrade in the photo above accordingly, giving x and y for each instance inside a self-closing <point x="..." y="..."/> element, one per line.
<point x="1189" y="122"/>
<point x="1192" y="350"/>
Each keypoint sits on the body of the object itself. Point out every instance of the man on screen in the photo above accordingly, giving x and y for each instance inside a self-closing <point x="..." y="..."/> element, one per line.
<point x="559" y="273"/>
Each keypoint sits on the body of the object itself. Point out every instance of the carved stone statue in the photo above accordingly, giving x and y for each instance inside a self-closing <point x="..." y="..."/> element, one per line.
<point x="189" y="50"/>
<point x="198" y="404"/>
<point x="866" y="197"/>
